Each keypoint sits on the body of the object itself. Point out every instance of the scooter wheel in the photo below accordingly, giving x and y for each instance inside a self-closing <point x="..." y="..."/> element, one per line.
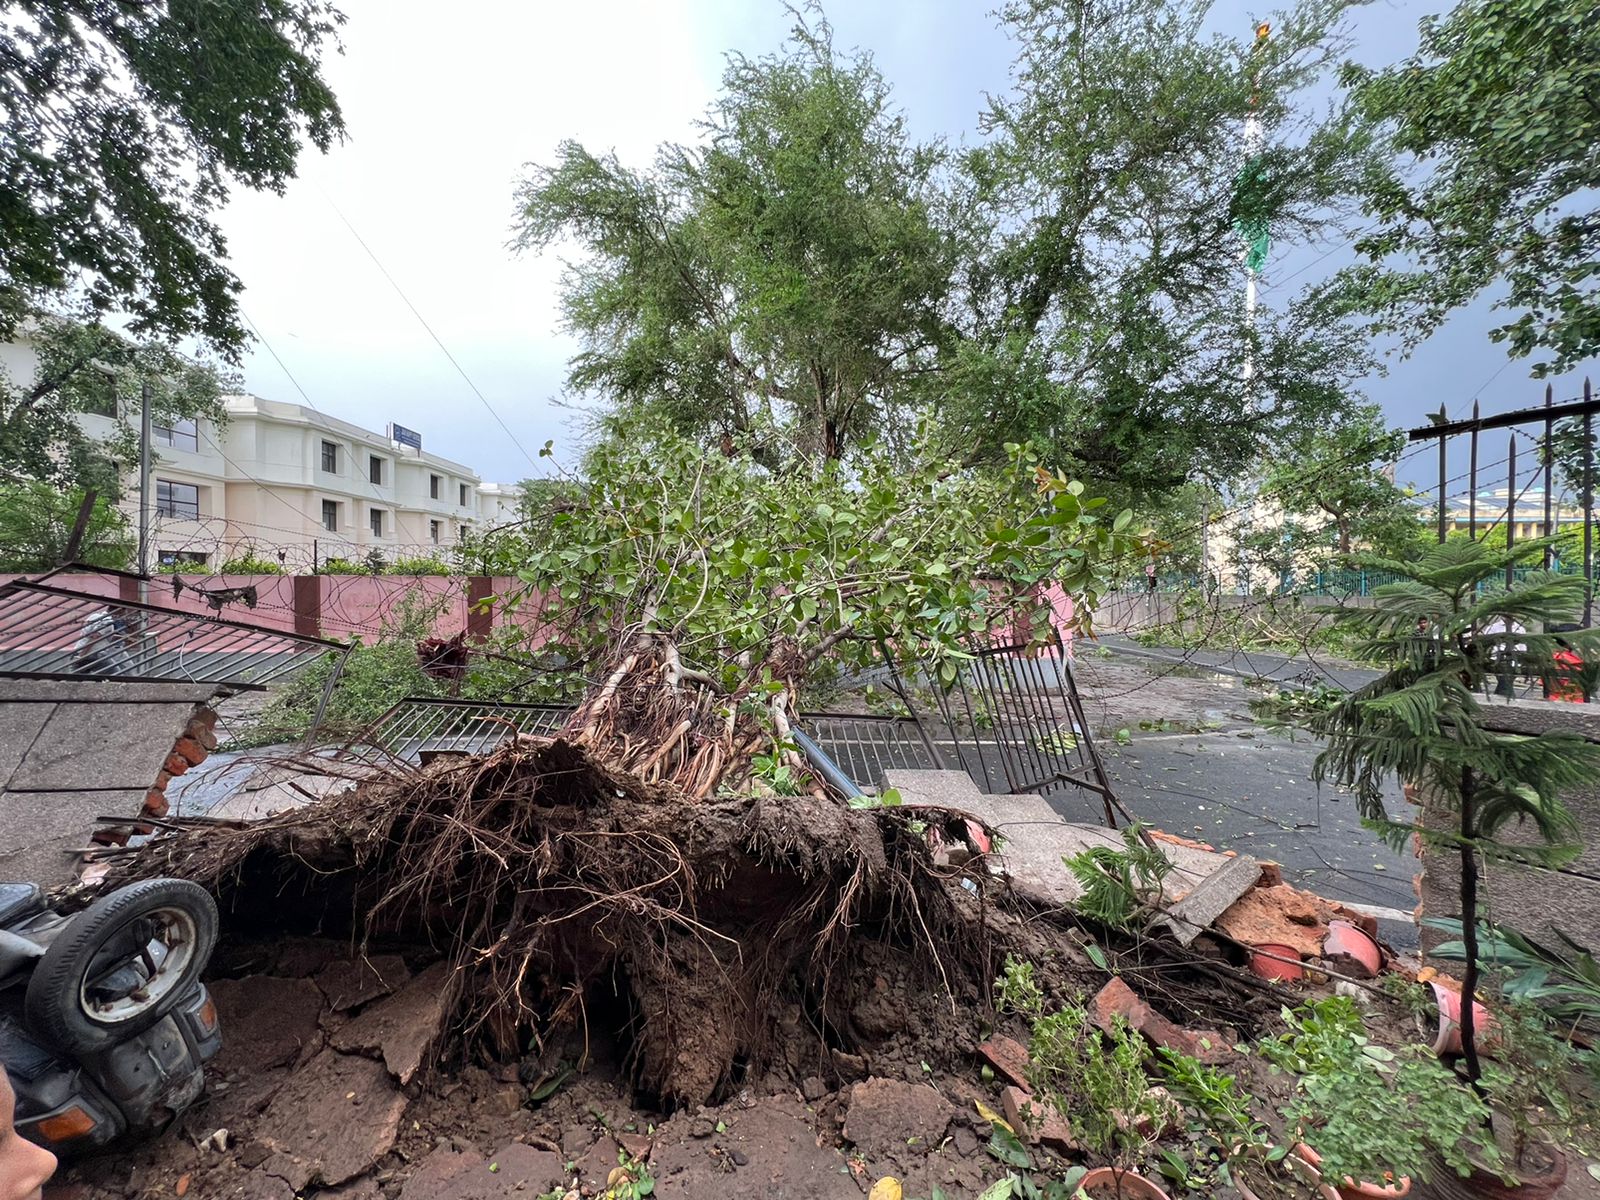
<point x="122" y="964"/>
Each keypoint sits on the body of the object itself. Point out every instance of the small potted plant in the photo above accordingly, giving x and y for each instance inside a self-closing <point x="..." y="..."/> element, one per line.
<point x="1368" y="1118"/>
<point x="1538" y="1116"/>
<point x="1233" y="1136"/>
<point x="1096" y="1081"/>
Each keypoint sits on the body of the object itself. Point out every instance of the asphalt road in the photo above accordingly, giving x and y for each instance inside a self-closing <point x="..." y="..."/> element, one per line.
<point x="1236" y="785"/>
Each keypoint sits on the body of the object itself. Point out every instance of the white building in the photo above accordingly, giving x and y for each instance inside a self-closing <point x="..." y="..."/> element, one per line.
<point x="499" y="504"/>
<point x="279" y="477"/>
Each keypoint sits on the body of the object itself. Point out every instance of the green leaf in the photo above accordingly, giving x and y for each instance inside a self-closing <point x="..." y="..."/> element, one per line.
<point x="1008" y="1148"/>
<point x="1003" y="1189"/>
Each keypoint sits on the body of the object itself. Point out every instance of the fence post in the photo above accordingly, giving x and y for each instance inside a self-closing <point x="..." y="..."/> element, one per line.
<point x="1444" y="471"/>
<point x="480" y="616"/>
<point x="1472" y="478"/>
<point x="1511" y="505"/>
<point x="306" y="599"/>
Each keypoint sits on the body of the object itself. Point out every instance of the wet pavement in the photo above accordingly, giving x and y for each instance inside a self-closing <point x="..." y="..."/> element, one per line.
<point x="1195" y="763"/>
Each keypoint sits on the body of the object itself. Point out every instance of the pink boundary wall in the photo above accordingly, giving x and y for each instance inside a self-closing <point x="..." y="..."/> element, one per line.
<point x="339" y="607"/>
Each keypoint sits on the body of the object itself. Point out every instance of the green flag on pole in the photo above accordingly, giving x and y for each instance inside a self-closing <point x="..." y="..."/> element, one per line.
<point x="1250" y="207"/>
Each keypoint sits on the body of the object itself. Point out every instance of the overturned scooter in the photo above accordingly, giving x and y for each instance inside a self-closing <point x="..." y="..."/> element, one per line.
<point x="104" y="1023"/>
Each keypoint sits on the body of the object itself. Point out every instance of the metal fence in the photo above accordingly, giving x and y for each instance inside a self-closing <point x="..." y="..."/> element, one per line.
<point x="1565" y="431"/>
<point x="48" y="632"/>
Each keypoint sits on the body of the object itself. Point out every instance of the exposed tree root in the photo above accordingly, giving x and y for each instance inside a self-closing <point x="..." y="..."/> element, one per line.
<point x="538" y="870"/>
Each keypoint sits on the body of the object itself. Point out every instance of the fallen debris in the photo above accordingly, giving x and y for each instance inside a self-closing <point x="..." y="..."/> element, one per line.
<point x="334" y="1118"/>
<point x="885" y="1115"/>
<point x="402" y="1028"/>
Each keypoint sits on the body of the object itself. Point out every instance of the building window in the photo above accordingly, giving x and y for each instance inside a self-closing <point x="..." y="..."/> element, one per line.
<point x="433" y="531"/>
<point x="435" y="484"/>
<point x="180" y="435"/>
<point x="330" y="515"/>
<point x="330" y="457"/>
<point x="179" y="500"/>
<point x="190" y="558"/>
<point x="375" y="468"/>
<point x="375" y="519"/>
<point x="462" y="493"/>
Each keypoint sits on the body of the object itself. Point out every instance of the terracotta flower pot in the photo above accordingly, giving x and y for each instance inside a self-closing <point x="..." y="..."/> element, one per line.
<point x="1351" y="1189"/>
<point x="1353" y="946"/>
<point x="1266" y="962"/>
<point x="1540" y="1175"/>
<point x="1448" y="1038"/>
<point x="1109" y="1183"/>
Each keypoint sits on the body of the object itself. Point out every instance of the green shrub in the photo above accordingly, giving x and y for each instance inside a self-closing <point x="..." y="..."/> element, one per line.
<point x="419" y="565"/>
<point x="341" y="566"/>
<point x="1372" y="1113"/>
<point x="247" y="563"/>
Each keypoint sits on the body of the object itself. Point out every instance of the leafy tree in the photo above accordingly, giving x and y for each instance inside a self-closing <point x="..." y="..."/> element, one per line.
<point x="125" y="127"/>
<point x="36" y="523"/>
<point x="682" y="566"/>
<point x="1488" y="177"/>
<point x="778" y="286"/>
<point x="1337" y="479"/>
<point x="1422" y="720"/>
<point x="1104" y="243"/>
<point x="89" y="370"/>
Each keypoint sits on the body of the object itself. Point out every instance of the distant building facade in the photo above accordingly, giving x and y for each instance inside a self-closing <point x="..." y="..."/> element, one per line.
<point x="277" y="477"/>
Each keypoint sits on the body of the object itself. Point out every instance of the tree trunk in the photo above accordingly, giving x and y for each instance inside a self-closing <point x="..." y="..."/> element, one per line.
<point x="1469" y="931"/>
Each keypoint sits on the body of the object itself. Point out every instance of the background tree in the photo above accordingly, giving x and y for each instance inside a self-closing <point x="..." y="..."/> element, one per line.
<point x="87" y="369"/>
<point x="1488" y="177"/>
<point x="1337" y="481"/>
<point x="778" y="286"/>
<point x="36" y="523"/>
<point x="125" y="126"/>
<point x="1103" y="260"/>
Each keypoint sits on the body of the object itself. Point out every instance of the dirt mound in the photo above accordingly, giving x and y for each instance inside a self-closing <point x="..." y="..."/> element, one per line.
<point x="553" y="884"/>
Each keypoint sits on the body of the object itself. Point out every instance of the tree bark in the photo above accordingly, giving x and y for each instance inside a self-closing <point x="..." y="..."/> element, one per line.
<point x="1469" y="931"/>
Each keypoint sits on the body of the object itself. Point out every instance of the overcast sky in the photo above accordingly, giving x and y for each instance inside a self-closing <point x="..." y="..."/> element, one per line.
<point x="443" y="115"/>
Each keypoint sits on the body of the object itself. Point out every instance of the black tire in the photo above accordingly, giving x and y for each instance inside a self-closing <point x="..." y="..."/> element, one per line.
<point x="54" y="1005"/>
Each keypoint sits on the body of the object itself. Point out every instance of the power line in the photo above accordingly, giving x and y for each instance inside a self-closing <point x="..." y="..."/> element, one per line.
<point x="424" y="323"/>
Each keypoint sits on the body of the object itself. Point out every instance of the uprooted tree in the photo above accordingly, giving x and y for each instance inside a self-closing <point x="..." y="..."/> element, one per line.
<point x="702" y="590"/>
<point x="666" y="852"/>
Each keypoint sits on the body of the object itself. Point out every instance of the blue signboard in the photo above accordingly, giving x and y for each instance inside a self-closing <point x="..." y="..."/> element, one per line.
<point x="406" y="437"/>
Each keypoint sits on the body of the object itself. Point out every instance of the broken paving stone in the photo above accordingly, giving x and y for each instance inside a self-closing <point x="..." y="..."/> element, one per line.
<point x="1285" y="916"/>
<point x="332" y="1120"/>
<point x="266" y="1021"/>
<point x="576" y="1140"/>
<point x="260" y="1185"/>
<point x="1034" y="1122"/>
<point x="1118" y="999"/>
<point x="437" y="1169"/>
<point x="594" y="1168"/>
<point x="349" y="983"/>
<point x="403" y="1027"/>
<point x="514" y="1172"/>
<point x="506" y="1102"/>
<point x="885" y="1114"/>
<point x="359" y="1189"/>
<point x="1007" y="1056"/>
